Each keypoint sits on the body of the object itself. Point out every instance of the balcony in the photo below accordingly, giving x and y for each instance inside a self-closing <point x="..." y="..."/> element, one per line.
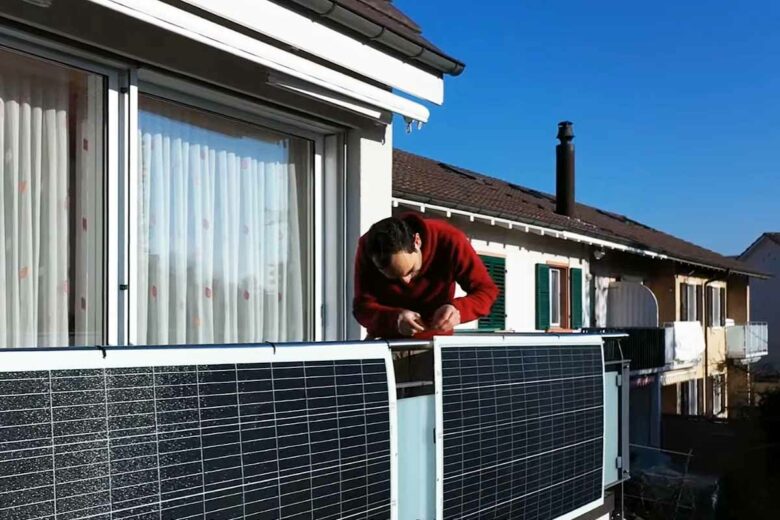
<point x="544" y="410"/>
<point x="429" y="410"/>
<point x="644" y="346"/>
<point x="677" y="345"/>
<point x="747" y="343"/>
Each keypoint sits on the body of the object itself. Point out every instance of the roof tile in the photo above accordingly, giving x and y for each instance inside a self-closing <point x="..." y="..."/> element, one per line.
<point x="426" y="180"/>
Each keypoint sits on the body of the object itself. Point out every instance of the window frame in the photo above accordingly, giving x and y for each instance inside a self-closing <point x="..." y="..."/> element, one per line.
<point x="114" y="168"/>
<point x="324" y="265"/>
<point x="564" y="296"/>
<point x="124" y="81"/>
<point x="688" y="397"/>
<point x="570" y="300"/>
<point x="689" y="302"/>
<point x="716" y="299"/>
<point x="555" y="295"/>
<point x="718" y="395"/>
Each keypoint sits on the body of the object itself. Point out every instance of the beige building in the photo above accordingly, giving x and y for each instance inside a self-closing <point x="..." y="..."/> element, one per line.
<point x="679" y="303"/>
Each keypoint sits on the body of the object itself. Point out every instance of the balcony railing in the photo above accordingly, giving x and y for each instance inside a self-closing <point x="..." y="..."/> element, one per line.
<point x="747" y="342"/>
<point x="676" y="345"/>
<point x="644" y="346"/>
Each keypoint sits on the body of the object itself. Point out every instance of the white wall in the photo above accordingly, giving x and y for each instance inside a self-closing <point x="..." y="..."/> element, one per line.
<point x="765" y="295"/>
<point x="600" y="295"/>
<point x="520" y="285"/>
<point x="369" y="197"/>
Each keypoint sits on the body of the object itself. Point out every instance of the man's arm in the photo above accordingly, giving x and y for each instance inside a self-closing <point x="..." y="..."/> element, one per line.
<point x="471" y="275"/>
<point x="380" y="320"/>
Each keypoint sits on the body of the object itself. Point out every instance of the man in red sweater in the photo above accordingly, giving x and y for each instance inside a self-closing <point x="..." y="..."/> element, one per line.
<point x="405" y="274"/>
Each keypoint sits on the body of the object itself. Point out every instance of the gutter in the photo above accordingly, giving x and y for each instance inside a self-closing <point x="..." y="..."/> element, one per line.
<point x="374" y="32"/>
<point x="406" y="198"/>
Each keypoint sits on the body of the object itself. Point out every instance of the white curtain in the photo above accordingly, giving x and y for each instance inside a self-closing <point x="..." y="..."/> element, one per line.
<point x="48" y="199"/>
<point x="219" y="246"/>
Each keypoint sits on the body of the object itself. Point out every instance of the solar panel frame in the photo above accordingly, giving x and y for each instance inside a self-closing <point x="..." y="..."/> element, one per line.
<point x="52" y="359"/>
<point x="531" y="340"/>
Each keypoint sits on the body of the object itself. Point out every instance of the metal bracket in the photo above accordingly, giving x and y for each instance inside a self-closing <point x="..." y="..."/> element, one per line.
<point x="619" y="462"/>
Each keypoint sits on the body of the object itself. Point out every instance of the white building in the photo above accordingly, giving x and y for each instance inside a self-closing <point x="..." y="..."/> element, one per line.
<point x="197" y="171"/>
<point x="764" y="255"/>
<point x="595" y="269"/>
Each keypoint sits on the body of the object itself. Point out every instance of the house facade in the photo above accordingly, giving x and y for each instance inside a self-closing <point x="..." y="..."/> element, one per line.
<point x="764" y="254"/>
<point x="598" y="271"/>
<point x="145" y="142"/>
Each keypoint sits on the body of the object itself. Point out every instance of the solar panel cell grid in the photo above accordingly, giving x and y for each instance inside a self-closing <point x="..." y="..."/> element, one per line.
<point x="290" y="440"/>
<point x="522" y="430"/>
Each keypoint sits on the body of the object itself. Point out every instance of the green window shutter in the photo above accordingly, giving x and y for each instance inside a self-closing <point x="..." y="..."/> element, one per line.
<point x="496" y="320"/>
<point x="542" y="297"/>
<point x="575" y="276"/>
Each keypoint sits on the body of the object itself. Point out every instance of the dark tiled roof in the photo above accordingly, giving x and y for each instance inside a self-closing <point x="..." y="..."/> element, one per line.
<point x="384" y="13"/>
<point x="395" y="30"/>
<point x="774" y="237"/>
<point x="426" y="180"/>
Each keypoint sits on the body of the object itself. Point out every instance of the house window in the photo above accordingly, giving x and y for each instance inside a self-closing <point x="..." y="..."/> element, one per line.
<point x="718" y="395"/>
<point x="496" y="320"/>
<point x="223" y="218"/>
<point x="555" y="298"/>
<point x="51" y="203"/>
<point x="558" y="297"/>
<point x="690" y="295"/>
<point x="688" y="398"/>
<point x="716" y="299"/>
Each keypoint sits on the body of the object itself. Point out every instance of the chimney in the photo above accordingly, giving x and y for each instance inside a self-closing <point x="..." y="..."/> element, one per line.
<point x="564" y="170"/>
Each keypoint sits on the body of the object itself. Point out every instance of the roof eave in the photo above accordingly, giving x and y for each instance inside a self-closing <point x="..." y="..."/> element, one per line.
<point x="756" y="242"/>
<point x="426" y="199"/>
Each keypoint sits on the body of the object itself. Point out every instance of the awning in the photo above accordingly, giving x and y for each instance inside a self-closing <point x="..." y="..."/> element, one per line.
<point x="312" y="77"/>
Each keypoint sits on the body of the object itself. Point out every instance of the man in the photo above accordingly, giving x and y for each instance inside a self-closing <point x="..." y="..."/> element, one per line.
<point x="405" y="274"/>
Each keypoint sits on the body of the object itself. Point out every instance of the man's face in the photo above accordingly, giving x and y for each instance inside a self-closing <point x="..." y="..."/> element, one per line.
<point x="404" y="265"/>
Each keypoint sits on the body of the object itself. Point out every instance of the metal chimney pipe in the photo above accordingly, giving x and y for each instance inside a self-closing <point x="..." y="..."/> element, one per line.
<point x="564" y="170"/>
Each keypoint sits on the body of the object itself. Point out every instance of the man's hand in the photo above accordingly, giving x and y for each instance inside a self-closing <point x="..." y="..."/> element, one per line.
<point x="446" y="318"/>
<point x="410" y="323"/>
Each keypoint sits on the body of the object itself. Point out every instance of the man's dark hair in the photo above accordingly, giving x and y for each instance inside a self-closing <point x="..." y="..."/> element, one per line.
<point x="388" y="237"/>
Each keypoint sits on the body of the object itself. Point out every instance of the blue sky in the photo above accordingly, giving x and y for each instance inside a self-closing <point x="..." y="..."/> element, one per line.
<point x="676" y="105"/>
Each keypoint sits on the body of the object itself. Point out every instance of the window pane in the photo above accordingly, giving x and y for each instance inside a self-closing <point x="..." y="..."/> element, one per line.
<point x="715" y="307"/>
<point x="692" y="303"/>
<point x="51" y="134"/>
<point x="555" y="296"/>
<point x="223" y="251"/>
<point x="717" y="394"/>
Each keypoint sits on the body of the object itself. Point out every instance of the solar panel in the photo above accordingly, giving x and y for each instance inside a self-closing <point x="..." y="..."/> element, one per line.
<point x="520" y="426"/>
<point x="204" y="433"/>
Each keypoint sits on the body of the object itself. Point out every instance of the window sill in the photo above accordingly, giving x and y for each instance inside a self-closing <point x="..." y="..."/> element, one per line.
<point x="560" y="329"/>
